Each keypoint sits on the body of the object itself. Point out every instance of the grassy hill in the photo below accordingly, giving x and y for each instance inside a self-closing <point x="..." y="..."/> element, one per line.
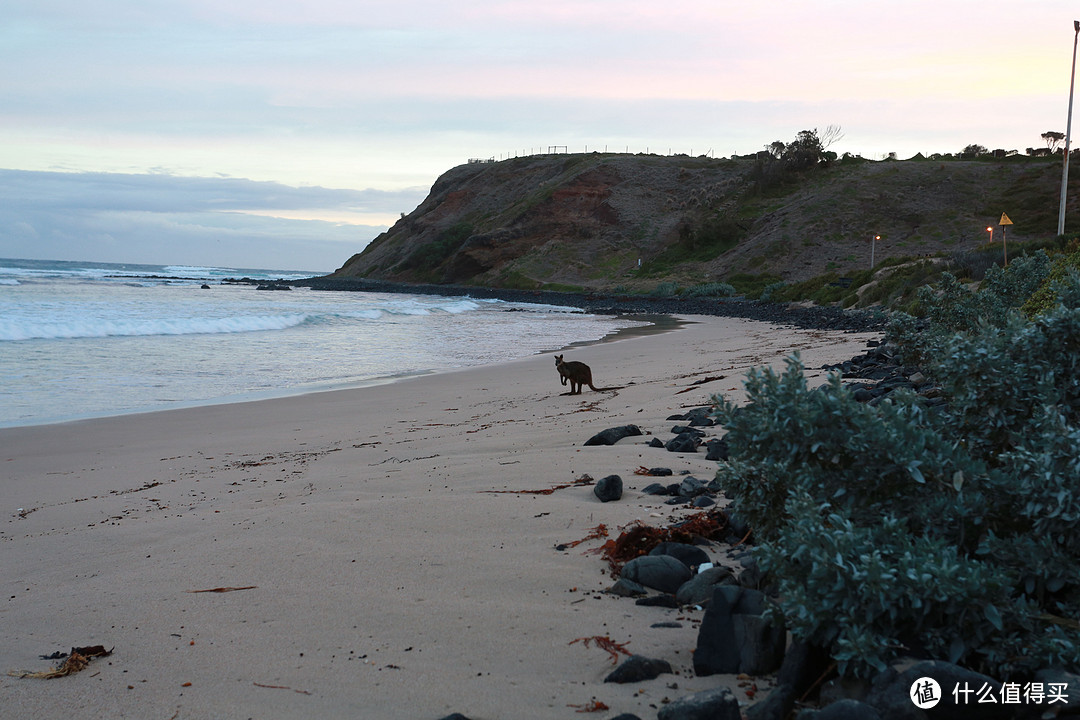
<point x="636" y="223"/>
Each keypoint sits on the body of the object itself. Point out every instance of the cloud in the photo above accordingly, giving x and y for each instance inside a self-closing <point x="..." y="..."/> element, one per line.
<point x="163" y="218"/>
<point x="164" y="192"/>
<point x="391" y="93"/>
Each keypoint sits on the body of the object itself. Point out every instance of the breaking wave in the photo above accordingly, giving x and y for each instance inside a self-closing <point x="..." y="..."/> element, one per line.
<point x="132" y="327"/>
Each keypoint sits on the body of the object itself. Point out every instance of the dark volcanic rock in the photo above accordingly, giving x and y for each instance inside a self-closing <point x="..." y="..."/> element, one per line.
<point x="690" y="555"/>
<point x="660" y="572"/>
<point x="609" y="488"/>
<point x="847" y="710"/>
<point x="776" y="705"/>
<point x="627" y="588"/>
<point x="667" y="601"/>
<point x="692" y="487"/>
<point x="803" y="664"/>
<point x="685" y="443"/>
<point x="655" y="489"/>
<point x="735" y="637"/>
<point x="698" y="590"/>
<point x="699" y="417"/>
<point x="715" y="704"/>
<point x="613" y="435"/>
<point x="716" y="449"/>
<point x="889" y="694"/>
<point x="638" y="668"/>
<point x="681" y="429"/>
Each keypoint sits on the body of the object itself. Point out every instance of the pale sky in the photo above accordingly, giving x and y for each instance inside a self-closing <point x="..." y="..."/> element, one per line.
<point x="324" y="120"/>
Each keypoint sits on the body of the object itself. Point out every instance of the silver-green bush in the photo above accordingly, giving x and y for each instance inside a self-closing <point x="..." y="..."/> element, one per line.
<point x="951" y="531"/>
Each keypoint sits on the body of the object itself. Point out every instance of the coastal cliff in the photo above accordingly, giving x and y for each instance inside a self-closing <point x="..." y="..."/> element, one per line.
<point x="598" y="222"/>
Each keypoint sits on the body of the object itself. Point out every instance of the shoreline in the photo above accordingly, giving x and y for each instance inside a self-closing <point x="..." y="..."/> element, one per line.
<point x="657" y="324"/>
<point x="394" y="558"/>
<point x="814" y="317"/>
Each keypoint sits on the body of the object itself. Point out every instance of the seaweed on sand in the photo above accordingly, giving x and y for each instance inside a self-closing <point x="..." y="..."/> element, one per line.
<point x="637" y="539"/>
<point x="76" y="660"/>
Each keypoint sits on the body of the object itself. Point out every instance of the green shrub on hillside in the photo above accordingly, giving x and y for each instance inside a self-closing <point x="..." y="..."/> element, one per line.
<point x="1046" y="296"/>
<point x="752" y="285"/>
<point x="665" y="289"/>
<point x="697" y="242"/>
<point x="446" y="244"/>
<point x="951" y="531"/>
<point x="952" y="306"/>
<point x="716" y="289"/>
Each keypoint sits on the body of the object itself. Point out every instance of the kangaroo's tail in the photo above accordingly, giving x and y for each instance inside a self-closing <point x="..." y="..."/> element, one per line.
<point x="605" y="389"/>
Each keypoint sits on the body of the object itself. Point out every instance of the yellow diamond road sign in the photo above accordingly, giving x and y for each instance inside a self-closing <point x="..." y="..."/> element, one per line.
<point x="1005" y="220"/>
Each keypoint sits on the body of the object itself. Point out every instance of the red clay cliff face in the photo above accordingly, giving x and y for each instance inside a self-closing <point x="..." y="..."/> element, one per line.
<point x="572" y="213"/>
<point x="529" y="221"/>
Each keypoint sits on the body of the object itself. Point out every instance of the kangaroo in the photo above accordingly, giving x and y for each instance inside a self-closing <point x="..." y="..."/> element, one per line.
<point x="578" y="373"/>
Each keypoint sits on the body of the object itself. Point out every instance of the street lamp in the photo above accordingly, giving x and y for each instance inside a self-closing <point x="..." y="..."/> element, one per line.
<point x="1068" y="133"/>
<point x="991" y="231"/>
<point x="873" y="242"/>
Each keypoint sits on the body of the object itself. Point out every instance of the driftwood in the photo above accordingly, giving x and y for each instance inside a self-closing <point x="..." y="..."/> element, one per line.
<point x="580" y="482"/>
<point x="223" y="589"/>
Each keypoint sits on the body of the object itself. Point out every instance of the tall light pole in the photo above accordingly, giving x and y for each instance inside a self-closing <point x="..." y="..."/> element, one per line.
<point x="1068" y="133"/>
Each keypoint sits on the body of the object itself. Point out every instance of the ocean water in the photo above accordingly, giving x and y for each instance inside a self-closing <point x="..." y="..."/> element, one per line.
<point x="82" y="340"/>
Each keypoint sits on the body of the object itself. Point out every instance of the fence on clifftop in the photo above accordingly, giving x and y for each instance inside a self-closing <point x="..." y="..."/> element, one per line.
<point x="565" y="150"/>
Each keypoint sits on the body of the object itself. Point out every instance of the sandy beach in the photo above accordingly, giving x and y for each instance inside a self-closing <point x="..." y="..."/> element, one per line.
<point x="373" y="572"/>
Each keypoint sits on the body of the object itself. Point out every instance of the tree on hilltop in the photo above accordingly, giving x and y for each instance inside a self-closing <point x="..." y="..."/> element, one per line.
<point x="776" y="148"/>
<point x="1053" y="140"/>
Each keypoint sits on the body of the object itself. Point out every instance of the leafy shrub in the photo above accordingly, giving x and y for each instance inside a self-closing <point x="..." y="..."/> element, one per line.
<point x="1045" y="297"/>
<point x="698" y="242"/>
<point x="665" y="289"/>
<point x="710" y="290"/>
<point x="446" y="244"/>
<point x="952" y="531"/>
<point x="767" y="293"/>
<point x="973" y="264"/>
<point x="752" y="285"/>
<point x="892" y="285"/>
<point x="951" y="306"/>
